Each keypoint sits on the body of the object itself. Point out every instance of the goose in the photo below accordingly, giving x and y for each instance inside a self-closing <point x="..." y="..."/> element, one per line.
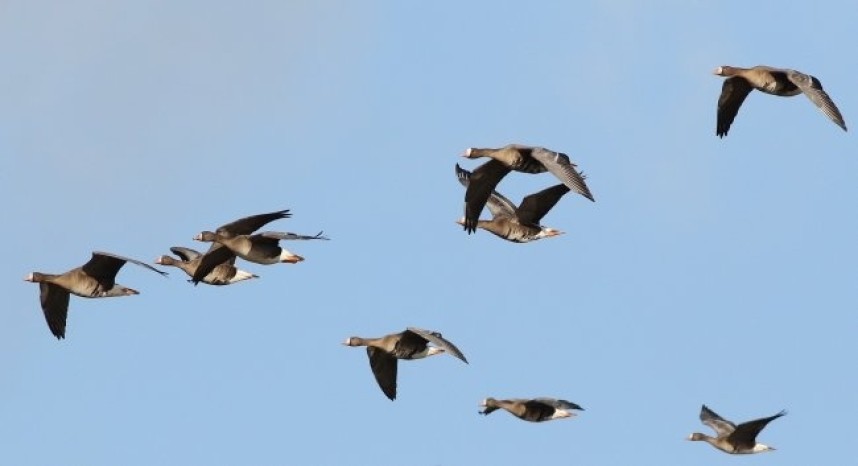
<point x="519" y="158"/>
<point x="95" y="279"/>
<point x="218" y="253"/>
<point x="223" y="274"/>
<point x="261" y="248"/>
<point x="533" y="410"/>
<point x="517" y="224"/>
<point x="733" y="439"/>
<point x="413" y="343"/>
<point x="775" y="81"/>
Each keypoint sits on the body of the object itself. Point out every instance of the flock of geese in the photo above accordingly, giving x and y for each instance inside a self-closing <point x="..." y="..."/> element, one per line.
<point x="519" y="224"/>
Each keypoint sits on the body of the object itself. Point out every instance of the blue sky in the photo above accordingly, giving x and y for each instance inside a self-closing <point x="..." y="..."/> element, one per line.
<point x="708" y="271"/>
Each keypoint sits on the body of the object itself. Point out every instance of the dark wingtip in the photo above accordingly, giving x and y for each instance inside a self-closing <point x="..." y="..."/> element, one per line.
<point x="470" y="226"/>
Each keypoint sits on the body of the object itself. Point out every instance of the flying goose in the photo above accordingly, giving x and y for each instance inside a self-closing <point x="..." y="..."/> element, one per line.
<point x="189" y="259"/>
<point x="533" y="410"/>
<point x="413" y="343"/>
<point x="525" y="159"/>
<point x="517" y="224"/>
<point x="95" y="279"/>
<point x="741" y="439"/>
<point x="261" y="248"/>
<point x="239" y="233"/>
<point x="775" y="81"/>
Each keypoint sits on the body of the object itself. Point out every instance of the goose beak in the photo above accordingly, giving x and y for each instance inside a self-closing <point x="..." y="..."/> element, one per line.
<point x="29" y="278"/>
<point x="467" y="153"/>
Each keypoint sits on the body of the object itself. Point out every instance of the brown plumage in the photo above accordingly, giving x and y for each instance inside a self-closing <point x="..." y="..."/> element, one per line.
<point x="236" y="239"/>
<point x="413" y="343"/>
<point x="775" y="81"/>
<point x="517" y="224"/>
<point x="189" y="260"/>
<point x="515" y="157"/>
<point x="95" y="279"/>
<point x="533" y="410"/>
<point x="733" y="439"/>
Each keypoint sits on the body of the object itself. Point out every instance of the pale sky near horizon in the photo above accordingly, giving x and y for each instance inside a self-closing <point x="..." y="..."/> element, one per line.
<point x="716" y="271"/>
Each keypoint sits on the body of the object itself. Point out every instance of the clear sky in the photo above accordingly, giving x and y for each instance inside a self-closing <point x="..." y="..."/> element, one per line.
<point x="717" y="271"/>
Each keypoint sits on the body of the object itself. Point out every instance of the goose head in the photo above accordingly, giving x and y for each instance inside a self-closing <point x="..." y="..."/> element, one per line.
<point x="724" y="71"/>
<point x="467" y="153"/>
<point x="487" y="402"/>
<point x="165" y="260"/>
<point x="353" y="341"/>
<point x="206" y="236"/>
<point x="696" y="437"/>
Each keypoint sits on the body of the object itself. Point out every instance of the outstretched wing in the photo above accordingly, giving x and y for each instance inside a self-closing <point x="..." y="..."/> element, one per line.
<point x="103" y="266"/>
<point x="384" y="367"/>
<point x="733" y="93"/>
<point x="187" y="254"/>
<point x="247" y="225"/>
<point x="560" y="166"/>
<point x="436" y="339"/>
<point x="498" y="205"/>
<point x="812" y="88"/>
<point x="480" y="186"/>
<point x="55" y="306"/>
<point x="559" y="404"/>
<point x="210" y="260"/>
<point x="745" y="435"/>
<point x="721" y="426"/>
<point x="278" y="235"/>
<point x="535" y="206"/>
